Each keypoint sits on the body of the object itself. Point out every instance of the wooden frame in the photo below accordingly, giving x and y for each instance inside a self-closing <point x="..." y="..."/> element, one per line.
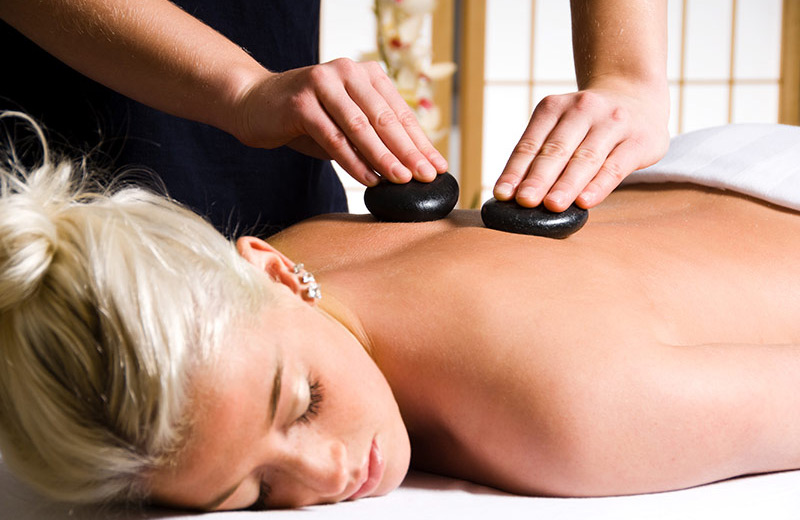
<point x="443" y="35"/>
<point x="789" y="100"/>
<point x="471" y="77"/>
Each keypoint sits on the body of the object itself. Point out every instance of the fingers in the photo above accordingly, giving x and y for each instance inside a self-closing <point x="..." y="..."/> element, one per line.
<point x="384" y="86"/>
<point x="375" y="130"/>
<point x="620" y="162"/>
<point x="595" y="155"/>
<point x="577" y="148"/>
<point x="333" y="140"/>
<point x="373" y="127"/>
<point x="527" y="149"/>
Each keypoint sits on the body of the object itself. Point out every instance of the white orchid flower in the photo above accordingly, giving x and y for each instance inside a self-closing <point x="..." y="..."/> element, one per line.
<point x="407" y="56"/>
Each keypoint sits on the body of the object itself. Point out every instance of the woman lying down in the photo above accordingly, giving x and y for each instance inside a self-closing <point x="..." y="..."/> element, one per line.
<point x="147" y="359"/>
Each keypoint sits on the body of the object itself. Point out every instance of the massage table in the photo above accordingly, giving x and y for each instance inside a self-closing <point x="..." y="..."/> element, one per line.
<point x="760" y="160"/>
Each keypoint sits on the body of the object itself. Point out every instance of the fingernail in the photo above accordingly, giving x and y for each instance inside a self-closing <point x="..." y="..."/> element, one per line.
<point x="527" y="193"/>
<point x="557" y="197"/>
<point x="440" y="163"/>
<point x="503" y="191"/>
<point x="401" y="173"/>
<point x="372" y="179"/>
<point x="587" y="197"/>
<point x="427" y="170"/>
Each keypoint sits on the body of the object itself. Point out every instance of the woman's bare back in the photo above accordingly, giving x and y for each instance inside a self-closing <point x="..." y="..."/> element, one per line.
<point x="560" y="366"/>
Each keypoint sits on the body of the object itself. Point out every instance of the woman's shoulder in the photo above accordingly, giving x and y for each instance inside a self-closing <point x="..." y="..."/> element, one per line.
<point x="456" y="219"/>
<point x="332" y="240"/>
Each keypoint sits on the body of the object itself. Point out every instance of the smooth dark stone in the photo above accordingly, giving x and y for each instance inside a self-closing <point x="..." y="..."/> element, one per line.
<point x="414" y="201"/>
<point x="510" y="216"/>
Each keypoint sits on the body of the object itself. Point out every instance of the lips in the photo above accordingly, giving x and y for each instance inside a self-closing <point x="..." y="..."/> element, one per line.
<point x="373" y="470"/>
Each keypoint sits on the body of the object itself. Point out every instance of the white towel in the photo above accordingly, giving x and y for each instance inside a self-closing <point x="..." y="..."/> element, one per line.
<point x="760" y="160"/>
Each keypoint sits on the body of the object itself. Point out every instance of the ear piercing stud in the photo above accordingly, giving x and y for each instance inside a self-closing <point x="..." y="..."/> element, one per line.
<point x="313" y="291"/>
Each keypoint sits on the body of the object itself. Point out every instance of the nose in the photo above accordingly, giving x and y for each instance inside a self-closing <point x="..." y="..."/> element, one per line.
<point x="319" y="466"/>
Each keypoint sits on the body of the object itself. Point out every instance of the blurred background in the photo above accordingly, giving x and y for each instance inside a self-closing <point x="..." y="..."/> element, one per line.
<point x="730" y="61"/>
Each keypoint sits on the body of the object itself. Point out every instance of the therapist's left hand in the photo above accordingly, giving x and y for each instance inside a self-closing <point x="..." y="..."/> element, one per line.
<point x="578" y="147"/>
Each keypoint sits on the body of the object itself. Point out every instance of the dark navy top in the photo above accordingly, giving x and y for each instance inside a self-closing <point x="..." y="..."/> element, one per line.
<point x="240" y="189"/>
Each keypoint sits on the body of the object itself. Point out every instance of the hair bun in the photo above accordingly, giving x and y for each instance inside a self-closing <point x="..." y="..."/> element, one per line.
<point x="28" y="234"/>
<point x="27" y="242"/>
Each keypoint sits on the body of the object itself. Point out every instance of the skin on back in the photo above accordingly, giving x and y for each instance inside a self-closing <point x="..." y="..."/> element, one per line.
<point x="655" y="349"/>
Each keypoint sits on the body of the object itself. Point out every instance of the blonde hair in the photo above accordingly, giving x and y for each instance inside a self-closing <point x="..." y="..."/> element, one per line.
<point x="108" y="299"/>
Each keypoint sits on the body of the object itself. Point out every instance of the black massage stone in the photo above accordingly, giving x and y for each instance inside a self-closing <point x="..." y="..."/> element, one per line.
<point x="510" y="216"/>
<point x="413" y="201"/>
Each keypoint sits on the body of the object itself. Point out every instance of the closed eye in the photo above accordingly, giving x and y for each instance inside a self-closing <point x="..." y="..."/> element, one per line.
<point x="262" y="502"/>
<point x="315" y="395"/>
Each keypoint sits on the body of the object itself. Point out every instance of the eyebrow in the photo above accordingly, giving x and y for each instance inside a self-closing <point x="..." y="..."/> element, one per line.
<point x="274" y="399"/>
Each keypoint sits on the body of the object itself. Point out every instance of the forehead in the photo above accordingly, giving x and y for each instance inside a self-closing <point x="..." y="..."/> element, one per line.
<point x="227" y="413"/>
<point x="237" y="382"/>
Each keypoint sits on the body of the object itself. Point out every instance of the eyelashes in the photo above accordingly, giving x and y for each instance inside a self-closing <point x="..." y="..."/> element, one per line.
<point x="315" y="395"/>
<point x="262" y="502"/>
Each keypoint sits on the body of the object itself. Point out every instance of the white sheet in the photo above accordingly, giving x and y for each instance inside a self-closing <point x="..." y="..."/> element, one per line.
<point x="422" y="496"/>
<point x="759" y="160"/>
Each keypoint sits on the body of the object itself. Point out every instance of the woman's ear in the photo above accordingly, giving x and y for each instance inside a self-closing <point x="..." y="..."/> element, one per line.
<point x="277" y="266"/>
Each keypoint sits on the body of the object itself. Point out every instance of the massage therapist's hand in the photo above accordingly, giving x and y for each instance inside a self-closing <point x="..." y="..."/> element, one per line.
<point x="578" y="147"/>
<point x="342" y="110"/>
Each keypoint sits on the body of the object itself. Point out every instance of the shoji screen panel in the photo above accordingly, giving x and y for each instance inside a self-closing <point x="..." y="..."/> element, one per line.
<point x="725" y="62"/>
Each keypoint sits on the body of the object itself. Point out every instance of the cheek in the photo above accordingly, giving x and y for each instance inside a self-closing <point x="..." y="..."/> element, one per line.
<point x="391" y="429"/>
<point x="369" y="387"/>
<point x="364" y="394"/>
<point x="365" y="403"/>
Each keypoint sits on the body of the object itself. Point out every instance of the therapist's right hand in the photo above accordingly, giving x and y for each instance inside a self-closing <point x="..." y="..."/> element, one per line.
<point x="342" y="110"/>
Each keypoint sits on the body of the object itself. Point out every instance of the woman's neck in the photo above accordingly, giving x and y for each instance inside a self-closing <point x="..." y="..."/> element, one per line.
<point x="342" y="251"/>
<point x="336" y="310"/>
